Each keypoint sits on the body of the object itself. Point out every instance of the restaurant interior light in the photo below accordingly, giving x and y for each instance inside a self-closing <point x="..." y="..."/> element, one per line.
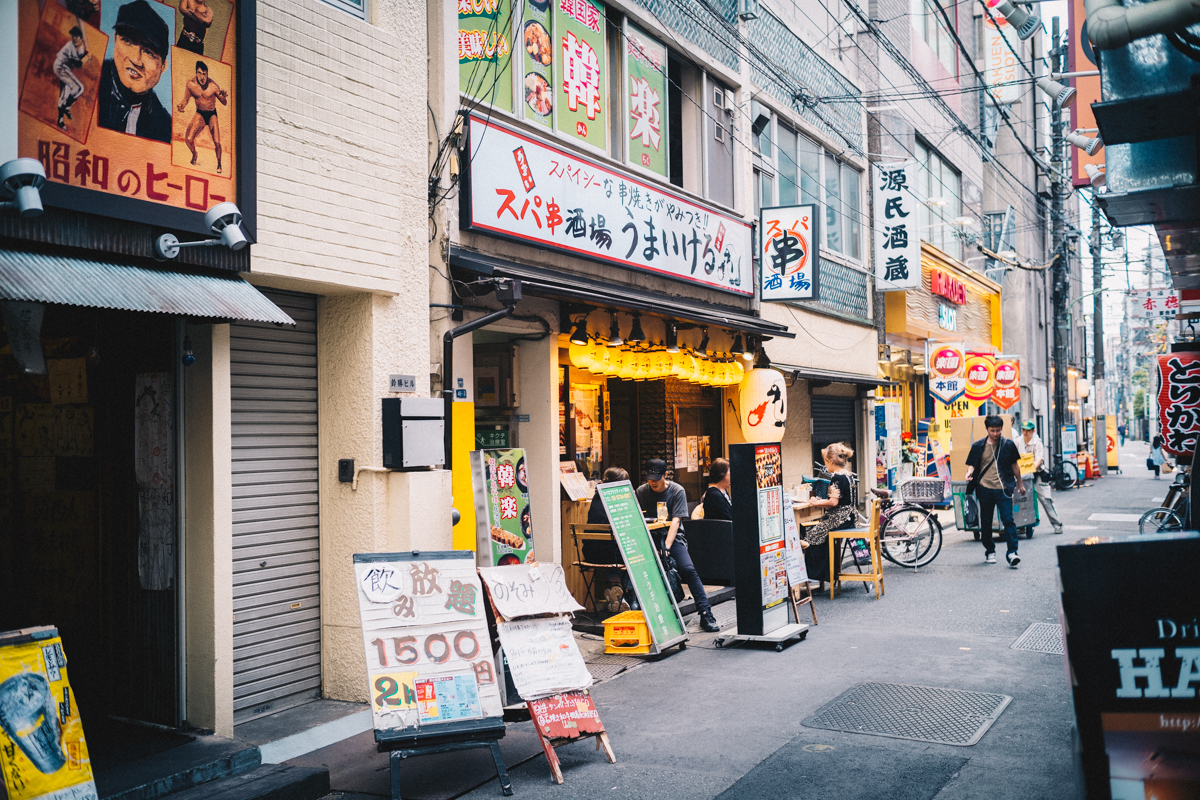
<point x="614" y="332"/>
<point x="580" y="334"/>
<point x="635" y="333"/>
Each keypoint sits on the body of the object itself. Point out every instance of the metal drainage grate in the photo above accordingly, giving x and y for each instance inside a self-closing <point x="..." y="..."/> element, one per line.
<point x="1041" y="637"/>
<point x="923" y="713"/>
<point x="606" y="667"/>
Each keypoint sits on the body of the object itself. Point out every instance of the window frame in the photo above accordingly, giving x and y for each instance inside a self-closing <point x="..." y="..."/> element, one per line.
<point x="942" y="216"/>
<point x="933" y="31"/>
<point x="359" y="10"/>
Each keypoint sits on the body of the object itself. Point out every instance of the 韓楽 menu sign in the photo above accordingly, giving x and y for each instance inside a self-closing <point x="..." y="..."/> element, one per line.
<point x="504" y="522"/>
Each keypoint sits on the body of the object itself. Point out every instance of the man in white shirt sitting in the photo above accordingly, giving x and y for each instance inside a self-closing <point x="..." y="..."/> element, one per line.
<point x="1029" y="442"/>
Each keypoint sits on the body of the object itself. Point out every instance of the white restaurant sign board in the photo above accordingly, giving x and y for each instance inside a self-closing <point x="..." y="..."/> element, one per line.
<point x="543" y="657"/>
<point x="789" y="252"/>
<point x="524" y="189"/>
<point x="1154" y="304"/>
<point x="429" y="654"/>
<point x="1000" y="63"/>
<point x="896" y="234"/>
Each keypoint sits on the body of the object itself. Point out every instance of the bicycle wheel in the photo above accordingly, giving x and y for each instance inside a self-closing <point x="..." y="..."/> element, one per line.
<point x="1160" y="520"/>
<point x="1065" y="475"/>
<point x="912" y="536"/>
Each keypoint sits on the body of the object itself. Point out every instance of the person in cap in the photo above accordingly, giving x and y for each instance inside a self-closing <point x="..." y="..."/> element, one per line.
<point x="127" y="102"/>
<point x="73" y="55"/>
<point x="992" y="474"/>
<point x="1030" y="442"/>
<point x="657" y="489"/>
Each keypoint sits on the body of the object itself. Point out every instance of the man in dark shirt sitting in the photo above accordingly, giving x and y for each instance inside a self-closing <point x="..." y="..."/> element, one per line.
<point x="657" y="489"/>
<point x="716" y="500"/>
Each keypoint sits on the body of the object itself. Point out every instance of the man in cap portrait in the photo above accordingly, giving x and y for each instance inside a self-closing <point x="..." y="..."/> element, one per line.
<point x="127" y="101"/>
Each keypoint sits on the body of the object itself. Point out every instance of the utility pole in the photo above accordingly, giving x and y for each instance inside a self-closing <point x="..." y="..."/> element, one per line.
<point x="1061" y="270"/>
<point x="1099" y="401"/>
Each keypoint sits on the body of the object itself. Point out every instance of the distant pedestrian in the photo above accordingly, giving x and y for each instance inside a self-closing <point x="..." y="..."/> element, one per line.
<point x="1030" y="442"/>
<point x="1156" y="459"/>
<point x="992" y="472"/>
<point x="1121" y="431"/>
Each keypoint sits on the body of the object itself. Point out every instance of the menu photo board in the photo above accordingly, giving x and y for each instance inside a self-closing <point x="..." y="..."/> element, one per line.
<point x="425" y="633"/>
<point x="134" y="107"/>
<point x="503" y="518"/>
<point x="761" y="555"/>
<point x="641" y="559"/>
<point x="42" y="750"/>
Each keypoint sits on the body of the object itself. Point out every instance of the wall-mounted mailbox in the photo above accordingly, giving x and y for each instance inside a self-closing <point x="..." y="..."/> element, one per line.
<point x="413" y="430"/>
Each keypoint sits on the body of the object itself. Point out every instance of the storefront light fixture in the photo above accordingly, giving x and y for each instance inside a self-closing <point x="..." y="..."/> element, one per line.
<point x="580" y="335"/>
<point x="23" y="178"/>
<point x="223" y="219"/>
<point x="1060" y="94"/>
<point x="1024" y="23"/>
<point x="751" y="349"/>
<point x="672" y="338"/>
<point x="737" y="348"/>
<point x="1088" y="144"/>
<point x="1096" y="176"/>
<point x="703" y="348"/>
<point x="635" y="333"/>
<point x="614" y="332"/>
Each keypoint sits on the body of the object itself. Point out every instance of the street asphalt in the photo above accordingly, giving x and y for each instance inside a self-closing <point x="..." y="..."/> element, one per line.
<point x="708" y="722"/>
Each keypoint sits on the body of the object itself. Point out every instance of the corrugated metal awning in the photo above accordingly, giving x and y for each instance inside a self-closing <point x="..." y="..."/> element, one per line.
<point x="833" y="376"/>
<point x="41" y="278"/>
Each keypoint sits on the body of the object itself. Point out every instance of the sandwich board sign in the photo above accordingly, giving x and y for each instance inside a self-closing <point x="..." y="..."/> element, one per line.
<point x="645" y="570"/>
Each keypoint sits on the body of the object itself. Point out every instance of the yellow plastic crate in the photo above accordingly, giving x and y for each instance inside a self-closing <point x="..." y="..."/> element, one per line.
<point x="627" y="633"/>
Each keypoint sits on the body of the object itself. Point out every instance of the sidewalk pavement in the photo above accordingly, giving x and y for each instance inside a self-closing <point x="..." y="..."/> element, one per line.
<point x="708" y="722"/>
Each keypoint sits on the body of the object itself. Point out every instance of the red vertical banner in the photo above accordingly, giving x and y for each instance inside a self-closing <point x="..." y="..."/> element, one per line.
<point x="1179" y="401"/>
<point x="981" y="374"/>
<point x="1007" y="389"/>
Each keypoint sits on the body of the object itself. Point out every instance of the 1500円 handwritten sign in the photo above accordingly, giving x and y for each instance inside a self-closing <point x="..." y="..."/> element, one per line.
<point x="429" y="655"/>
<point x="523" y="189"/>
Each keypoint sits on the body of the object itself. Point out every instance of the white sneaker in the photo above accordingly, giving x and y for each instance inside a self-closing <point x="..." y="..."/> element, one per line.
<point x="1013" y="560"/>
<point x="990" y="558"/>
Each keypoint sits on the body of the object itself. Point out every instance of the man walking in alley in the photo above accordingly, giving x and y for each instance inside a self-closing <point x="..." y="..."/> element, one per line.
<point x="992" y="472"/>
<point x="1030" y="442"/>
<point x="658" y="490"/>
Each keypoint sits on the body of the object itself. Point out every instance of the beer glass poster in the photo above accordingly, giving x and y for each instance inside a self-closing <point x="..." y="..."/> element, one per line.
<point x="505" y="526"/>
<point x="42" y="750"/>
<point x="131" y="97"/>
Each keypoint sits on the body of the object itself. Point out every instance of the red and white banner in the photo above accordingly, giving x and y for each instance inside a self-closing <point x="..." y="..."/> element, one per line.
<point x="1179" y="401"/>
<point x="981" y="375"/>
<point x="947" y="369"/>
<point x="1007" y="390"/>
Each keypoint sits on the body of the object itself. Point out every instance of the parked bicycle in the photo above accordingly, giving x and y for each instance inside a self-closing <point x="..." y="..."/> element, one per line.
<point x="1172" y="515"/>
<point x="910" y="534"/>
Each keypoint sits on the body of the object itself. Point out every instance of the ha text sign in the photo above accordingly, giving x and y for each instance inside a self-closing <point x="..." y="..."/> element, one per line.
<point x="788" y="258"/>
<point x="896" y="236"/>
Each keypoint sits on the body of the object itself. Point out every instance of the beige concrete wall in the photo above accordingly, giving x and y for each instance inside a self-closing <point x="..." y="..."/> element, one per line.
<point x="208" y="537"/>
<point x="822" y="342"/>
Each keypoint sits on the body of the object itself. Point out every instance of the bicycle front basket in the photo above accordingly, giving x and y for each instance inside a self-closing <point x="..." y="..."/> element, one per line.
<point x="921" y="490"/>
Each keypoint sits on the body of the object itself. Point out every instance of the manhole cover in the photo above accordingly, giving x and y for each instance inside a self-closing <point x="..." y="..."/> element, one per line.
<point x="1041" y="637"/>
<point x="923" y="713"/>
<point x="606" y="666"/>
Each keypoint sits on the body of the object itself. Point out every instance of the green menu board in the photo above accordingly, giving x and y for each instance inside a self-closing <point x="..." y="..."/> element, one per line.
<point x="646" y="106"/>
<point x="641" y="559"/>
<point x="579" y="70"/>
<point x="485" y="51"/>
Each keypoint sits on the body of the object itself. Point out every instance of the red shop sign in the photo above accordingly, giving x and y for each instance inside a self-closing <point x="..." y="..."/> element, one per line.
<point x="1179" y="401"/>
<point x="947" y="286"/>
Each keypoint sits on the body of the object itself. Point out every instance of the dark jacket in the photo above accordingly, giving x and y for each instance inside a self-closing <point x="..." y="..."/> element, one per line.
<point x="1005" y="459"/>
<point x="717" y="505"/>
<point x="115" y="102"/>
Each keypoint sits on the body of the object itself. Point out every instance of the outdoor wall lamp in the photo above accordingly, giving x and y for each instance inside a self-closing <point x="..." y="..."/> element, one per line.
<point x="1061" y="95"/>
<point x="1095" y="176"/>
<point x="580" y="335"/>
<point x="614" y="332"/>
<point x="672" y="338"/>
<point x="635" y="333"/>
<point x="1087" y="144"/>
<point x="223" y="219"/>
<point x="23" y="178"/>
<point x="1026" y="24"/>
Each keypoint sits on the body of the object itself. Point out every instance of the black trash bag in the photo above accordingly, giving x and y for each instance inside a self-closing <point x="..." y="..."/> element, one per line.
<point x="970" y="512"/>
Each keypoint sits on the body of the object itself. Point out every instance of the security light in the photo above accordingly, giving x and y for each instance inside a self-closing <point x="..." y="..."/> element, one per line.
<point x="23" y="178"/>
<point x="1089" y="145"/>
<point x="223" y="219"/>
<point x="1062" y="96"/>
<point x="1023" y="22"/>
<point x="1095" y="176"/>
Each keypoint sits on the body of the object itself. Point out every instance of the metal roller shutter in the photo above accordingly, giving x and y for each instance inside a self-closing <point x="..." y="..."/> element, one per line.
<point x="833" y="420"/>
<point x="276" y="569"/>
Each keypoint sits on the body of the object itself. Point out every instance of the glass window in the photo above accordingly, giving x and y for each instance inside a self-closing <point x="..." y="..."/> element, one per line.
<point x="932" y="25"/>
<point x="810" y="172"/>
<point x="833" y="204"/>
<point x="356" y="7"/>
<point x="768" y="191"/>
<point x="939" y="189"/>
<point x="850" y="189"/>
<point x="789" y="187"/>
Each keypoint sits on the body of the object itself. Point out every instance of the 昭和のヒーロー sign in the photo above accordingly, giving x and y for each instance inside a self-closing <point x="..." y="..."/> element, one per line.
<point x="523" y="189"/>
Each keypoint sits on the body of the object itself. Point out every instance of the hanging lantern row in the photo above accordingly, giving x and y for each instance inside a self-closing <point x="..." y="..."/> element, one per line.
<point x="637" y="359"/>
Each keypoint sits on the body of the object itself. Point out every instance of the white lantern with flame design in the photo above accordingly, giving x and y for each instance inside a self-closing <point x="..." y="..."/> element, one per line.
<point x="762" y="405"/>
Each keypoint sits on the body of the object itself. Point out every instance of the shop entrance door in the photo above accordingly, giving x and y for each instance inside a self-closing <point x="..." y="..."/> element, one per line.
<point x="276" y="569"/>
<point x="834" y="419"/>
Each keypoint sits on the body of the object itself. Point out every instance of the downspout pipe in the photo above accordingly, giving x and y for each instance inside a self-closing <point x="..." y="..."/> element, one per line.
<point x="448" y="369"/>
<point x="1111" y="25"/>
